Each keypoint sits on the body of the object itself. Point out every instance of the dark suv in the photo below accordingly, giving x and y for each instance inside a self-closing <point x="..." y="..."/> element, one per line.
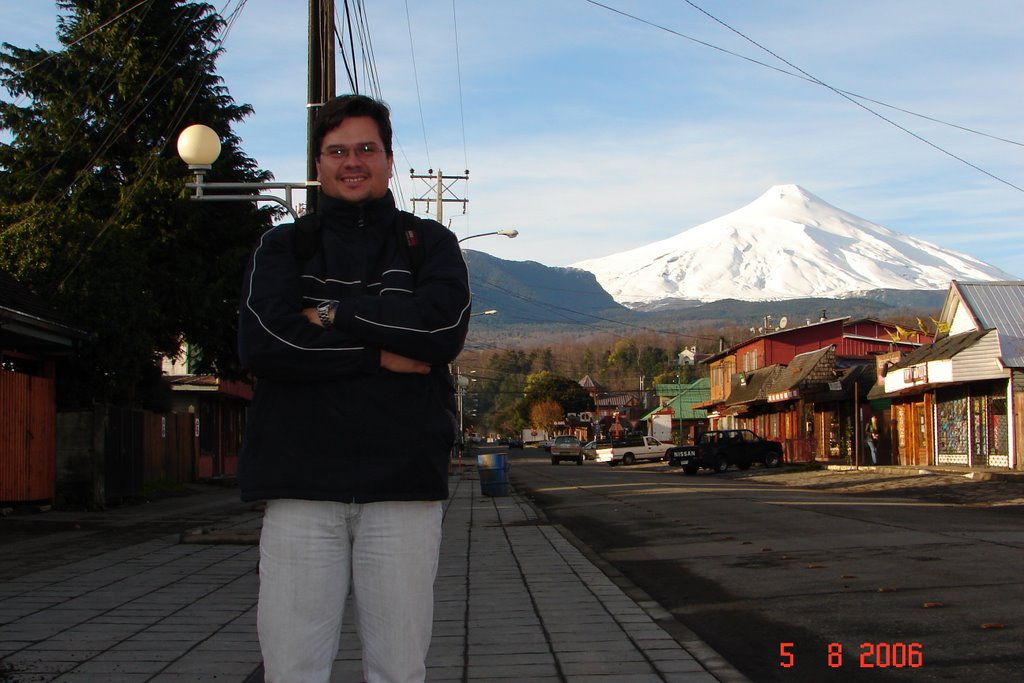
<point x="719" y="448"/>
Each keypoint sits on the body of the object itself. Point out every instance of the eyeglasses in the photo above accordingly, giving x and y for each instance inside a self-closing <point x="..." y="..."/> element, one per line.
<point x="364" y="150"/>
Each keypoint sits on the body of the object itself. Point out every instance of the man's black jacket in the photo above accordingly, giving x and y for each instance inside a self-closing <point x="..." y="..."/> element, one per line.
<point x="326" y="421"/>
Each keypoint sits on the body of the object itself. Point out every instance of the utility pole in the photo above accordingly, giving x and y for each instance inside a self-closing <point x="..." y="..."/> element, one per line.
<point x="440" y="190"/>
<point x="321" y="84"/>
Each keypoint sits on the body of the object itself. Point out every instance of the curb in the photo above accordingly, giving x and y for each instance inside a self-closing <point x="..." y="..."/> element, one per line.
<point x="705" y="655"/>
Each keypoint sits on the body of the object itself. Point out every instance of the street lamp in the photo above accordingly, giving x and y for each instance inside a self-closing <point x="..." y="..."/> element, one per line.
<point x="199" y="147"/>
<point x="511" y="234"/>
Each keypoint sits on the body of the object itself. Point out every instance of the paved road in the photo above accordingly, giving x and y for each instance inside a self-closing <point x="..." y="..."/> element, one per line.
<point x="910" y="590"/>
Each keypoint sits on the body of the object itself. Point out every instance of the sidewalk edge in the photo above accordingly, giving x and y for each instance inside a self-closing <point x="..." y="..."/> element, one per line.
<point x="711" y="660"/>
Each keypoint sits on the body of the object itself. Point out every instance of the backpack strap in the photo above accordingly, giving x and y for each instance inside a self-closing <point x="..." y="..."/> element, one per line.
<point x="410" y="241"/>
<point x="306" y="240"/>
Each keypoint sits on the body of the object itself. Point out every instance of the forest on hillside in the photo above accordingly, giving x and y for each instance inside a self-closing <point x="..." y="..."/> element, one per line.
<point x="503" y="384"/>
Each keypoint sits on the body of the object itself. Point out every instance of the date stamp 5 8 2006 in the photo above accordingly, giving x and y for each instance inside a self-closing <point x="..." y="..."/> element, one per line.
<point x="895" y="655"/>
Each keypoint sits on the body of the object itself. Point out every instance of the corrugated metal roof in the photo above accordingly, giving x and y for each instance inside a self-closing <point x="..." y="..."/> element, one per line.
<point x="682" y="404"/>
<point x="618" y="399"/>
<point x="999" y="306"/>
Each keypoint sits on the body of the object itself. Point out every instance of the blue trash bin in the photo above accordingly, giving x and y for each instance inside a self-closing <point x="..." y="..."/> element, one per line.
<point x="493" y="471"/>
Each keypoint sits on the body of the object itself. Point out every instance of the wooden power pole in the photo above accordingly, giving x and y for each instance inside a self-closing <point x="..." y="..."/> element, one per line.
<point x="439" y="191"/>
<point x="320" y="80"/>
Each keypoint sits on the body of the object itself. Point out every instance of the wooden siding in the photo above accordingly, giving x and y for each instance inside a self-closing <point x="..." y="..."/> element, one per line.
<point x="122" y="454"/>
<point x="28" y="442"/>
<point x="168" y="447"/>
<point x="1017" y="449"/>
<point x="863" y="348"/>
<point x="796" y="447"/>
<point x="962" y="320"/>
<point x="912" y="428"/>
<point x="721" y="377"/>
<point x="142" y="447"/>
<point x="980" y="361"/>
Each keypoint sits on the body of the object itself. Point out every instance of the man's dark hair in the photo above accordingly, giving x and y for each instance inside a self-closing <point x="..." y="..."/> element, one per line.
<point x="334" y="111"/>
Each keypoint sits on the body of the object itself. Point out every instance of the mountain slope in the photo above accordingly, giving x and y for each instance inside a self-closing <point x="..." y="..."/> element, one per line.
<point x="529" y="292"/>
<point x="786" y="244"/>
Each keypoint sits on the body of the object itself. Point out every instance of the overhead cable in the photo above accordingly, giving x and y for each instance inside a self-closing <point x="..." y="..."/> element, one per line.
<point x="415" y="73"/>
<point x="852" y="97"/>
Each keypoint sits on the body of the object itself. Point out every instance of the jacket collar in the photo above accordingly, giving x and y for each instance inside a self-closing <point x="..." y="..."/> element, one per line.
<point x="370" y="213"/>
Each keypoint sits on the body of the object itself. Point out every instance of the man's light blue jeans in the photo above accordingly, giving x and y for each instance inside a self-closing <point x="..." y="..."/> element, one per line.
<point x="313" y="552"/>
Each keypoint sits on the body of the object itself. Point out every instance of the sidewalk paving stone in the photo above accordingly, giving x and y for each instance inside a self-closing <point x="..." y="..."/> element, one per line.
<point x="515" y="600"/>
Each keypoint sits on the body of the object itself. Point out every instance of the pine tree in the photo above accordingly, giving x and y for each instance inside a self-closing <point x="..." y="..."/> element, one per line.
<point x="93" y="211"/>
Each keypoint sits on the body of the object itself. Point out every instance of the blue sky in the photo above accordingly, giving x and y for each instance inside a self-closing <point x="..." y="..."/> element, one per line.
<point x="591" y="132"/>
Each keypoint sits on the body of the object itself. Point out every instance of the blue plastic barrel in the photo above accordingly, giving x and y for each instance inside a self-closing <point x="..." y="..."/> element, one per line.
<point x="493" y="471"/>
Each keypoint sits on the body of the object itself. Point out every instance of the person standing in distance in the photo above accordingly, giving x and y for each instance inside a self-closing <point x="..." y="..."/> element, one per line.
<point x="871" y="435"/>
<point x="344" y="314"/>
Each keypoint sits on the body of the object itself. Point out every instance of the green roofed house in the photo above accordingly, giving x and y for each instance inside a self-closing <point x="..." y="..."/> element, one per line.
<point x="676" y="419"/>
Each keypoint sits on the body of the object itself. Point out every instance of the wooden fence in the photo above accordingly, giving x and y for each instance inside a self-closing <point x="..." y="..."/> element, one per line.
<point x="27" y="437"/>
<point x="142" y="446"/>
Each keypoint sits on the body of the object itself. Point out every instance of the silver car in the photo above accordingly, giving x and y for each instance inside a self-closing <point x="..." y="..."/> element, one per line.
<point x="566" y="448"/>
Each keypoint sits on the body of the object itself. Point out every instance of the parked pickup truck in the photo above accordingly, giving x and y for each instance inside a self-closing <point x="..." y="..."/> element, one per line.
<point x="719" y="448"/>
<point x="629" y="450"/>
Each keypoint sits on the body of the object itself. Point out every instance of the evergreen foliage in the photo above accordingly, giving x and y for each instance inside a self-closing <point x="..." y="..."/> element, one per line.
<point x="566" y="392"/>
<point x="93" y="211"/>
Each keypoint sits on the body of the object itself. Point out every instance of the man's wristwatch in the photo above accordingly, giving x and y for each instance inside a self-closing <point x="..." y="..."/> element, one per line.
<point x="324" y="311"/>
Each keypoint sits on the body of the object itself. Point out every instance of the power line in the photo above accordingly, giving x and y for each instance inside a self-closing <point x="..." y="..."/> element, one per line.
<point x="458" y="66"/>
<point x="350" y="70"/>
<point x="802" y="77"/>
<point x="355" y="24"/>
<point x="854" y="101"/>
<point x="462" y="111"/>
<point x="124" y="125"/>
<point x="90" y="33"/>
<point x="416" y="78"/>
<point x="122" y="119"/>
<point x="851" y="97"/>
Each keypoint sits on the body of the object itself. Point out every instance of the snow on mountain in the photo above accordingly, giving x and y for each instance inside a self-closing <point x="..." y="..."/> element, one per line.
<point x="787" y="244"/>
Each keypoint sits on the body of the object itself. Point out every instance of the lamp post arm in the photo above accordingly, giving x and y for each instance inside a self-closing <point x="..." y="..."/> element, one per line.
<point x="199" y="186"/>
<point x="504" y="233"/>
<point x="199" y="146"/>
<point x="286" y="203"/>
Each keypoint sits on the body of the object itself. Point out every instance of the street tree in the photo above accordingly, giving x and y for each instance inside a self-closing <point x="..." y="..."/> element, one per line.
<point x="566" y="392"/>
<point x="93" y="213"/>
<point x="624" y="354"/>
<point x="500" y="389"/>
<point x="545" y="413"/>
<point x="653" y="360"/>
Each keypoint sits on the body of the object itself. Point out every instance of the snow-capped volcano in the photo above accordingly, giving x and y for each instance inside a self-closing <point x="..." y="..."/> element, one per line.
<point x="787" y="244"/>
